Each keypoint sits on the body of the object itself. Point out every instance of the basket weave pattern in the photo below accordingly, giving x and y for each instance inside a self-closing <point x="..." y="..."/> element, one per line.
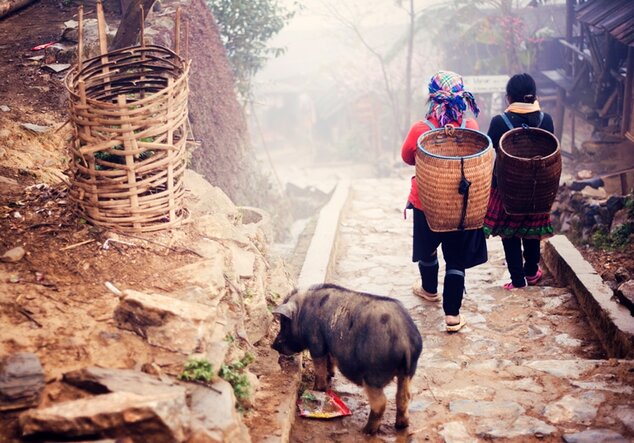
<point x="129" y="111"/>
<point x="528" y="170"/>
<point x="438" y="175"/>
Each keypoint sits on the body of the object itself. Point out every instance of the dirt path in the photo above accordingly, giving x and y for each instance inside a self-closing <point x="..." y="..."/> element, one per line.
<point x="525" y="368"/>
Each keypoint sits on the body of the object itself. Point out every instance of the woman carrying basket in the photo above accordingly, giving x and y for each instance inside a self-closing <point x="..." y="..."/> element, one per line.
<point x="461" y="249"/>
<point x="518" y="231"/>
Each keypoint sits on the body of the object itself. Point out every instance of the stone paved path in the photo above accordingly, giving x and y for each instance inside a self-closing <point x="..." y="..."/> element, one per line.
<point x="525" y="368"/>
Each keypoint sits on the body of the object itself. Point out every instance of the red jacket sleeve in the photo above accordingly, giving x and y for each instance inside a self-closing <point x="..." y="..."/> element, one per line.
<point x="408" y="150"/>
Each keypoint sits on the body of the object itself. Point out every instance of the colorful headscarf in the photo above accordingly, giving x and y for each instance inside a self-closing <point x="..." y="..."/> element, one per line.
<point x="448" y="99"/>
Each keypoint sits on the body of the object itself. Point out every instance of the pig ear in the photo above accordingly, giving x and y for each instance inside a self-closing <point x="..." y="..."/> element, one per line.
<point x="288" y="310"/>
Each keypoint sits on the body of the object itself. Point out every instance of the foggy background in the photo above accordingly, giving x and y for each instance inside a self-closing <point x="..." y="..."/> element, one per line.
<point x="335" y="103"/>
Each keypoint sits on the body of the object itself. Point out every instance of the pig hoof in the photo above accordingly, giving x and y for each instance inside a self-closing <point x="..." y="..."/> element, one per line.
<point x="371" y="428"/>
<point x="401" y="423"/>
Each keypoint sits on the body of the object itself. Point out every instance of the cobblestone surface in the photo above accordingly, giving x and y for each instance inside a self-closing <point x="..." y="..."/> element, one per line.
<point x="525" y="368"/>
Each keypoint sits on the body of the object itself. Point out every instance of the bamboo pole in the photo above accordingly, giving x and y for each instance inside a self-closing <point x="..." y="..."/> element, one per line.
<point x="80" y="39"/>
<point x="177" y="31"/>
<point x="103" y="43"/>
<point x="129" y="142"/>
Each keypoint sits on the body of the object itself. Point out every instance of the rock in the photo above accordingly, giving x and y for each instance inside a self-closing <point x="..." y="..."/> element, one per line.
<point x="480" y="408"/>
<point x="563" y="368"/>
<point x="165" y="321"/>
<point x="594" y="193"/>
<point x="105" y="380"/>
<point x="595" y="436"/>
<point x="207" y="274"/>
<point x="214" y="416"/>
<point x="455" y="432"/>
<point x="568" y="341"/>
<point x="621" y="217"/>
<point x="161" y="418"/>
<point x="584" y="174"/>
<point x="21" y="381"/>
<point x="202" y="198"/>
<point x="5" y="108"/>
<point x="522" y="426"/>
<point x="254" y="385"/>
<point x="625" y="413"/>
<point x="581" y="409"/>
<point x="256" y="223"/>
<point x="622" y="275"/>
<point x="13" y="255"/>
<point x="220" y="229"/>
<point x="243" y="262"/>
<point x="614" y="203"/>
<point x="625" y="294"/>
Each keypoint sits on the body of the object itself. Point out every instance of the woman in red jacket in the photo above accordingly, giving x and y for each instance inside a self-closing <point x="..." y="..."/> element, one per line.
<point x="448" y="101"/>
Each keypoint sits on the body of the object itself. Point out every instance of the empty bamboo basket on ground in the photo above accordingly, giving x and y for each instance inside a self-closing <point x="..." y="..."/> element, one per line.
<point x="454" y="167"/>
<point x="528" y="170"/>
<point x="129" y="110"/>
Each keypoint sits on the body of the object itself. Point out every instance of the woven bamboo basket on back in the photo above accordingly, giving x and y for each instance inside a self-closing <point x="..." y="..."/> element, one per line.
<point x="129" y="111"/>
<point x="446" y="157"/>
<point x="528" y="170"/>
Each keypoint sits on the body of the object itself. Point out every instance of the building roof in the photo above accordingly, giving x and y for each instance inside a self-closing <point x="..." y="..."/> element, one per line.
<point x="613" y="16"/>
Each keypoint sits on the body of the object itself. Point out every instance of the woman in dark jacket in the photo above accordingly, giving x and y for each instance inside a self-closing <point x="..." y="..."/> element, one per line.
<point x="521" y="234"/>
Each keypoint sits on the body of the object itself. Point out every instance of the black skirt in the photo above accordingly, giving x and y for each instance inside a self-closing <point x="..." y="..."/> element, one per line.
<point x="461" y="249"/>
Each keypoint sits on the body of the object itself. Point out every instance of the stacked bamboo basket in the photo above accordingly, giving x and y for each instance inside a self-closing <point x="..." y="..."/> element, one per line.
<point x="129" y="112"/>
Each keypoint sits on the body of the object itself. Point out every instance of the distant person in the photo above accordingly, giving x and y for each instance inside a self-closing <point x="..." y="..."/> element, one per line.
<point x="448" y="102"/>
<point x="518" y="231"/>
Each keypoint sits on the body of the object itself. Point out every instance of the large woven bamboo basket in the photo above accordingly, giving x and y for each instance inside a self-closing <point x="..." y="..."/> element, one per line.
<point x="129" y="111"/>
<point x="444" y="156"/>
<point x="528" y="170"/>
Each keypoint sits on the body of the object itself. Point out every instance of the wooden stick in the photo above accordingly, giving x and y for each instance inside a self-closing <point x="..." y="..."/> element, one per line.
<point x="76" y="245"/>
<point x="177" y="31"/>
<point x="80" y="39"/>
<point x="103" y="44"/>
<point x="179" y="249"/>
<point x="26" y="313"/>
<point x="129" y="142"/>
<point x="142" y="36"/>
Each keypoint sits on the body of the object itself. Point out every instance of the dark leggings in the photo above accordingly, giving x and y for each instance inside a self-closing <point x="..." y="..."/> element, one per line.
<point x="518" y="267"/>
<point x="453" y="288"/>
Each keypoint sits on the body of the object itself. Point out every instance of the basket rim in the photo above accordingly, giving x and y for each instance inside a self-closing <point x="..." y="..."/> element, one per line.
<point x="516" y="130"/>
<point x="452" y="157"/>
<point x="70" y="77"/>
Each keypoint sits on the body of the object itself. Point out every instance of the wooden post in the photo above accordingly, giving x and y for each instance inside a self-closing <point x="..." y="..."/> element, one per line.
<point x="129" y="144"/>
<point x="170" y="154"/>
<point x="142" y="36"/>
<point x="103" y="44"/>
<point x="93" y="208"/>
<point x="560" y="112"/>
<point x="177" y="31"/>
<point x="80" y="39"/>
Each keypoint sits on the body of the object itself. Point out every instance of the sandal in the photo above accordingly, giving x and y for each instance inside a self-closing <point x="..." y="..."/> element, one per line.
<point x="420" y="292"/>
<point x="532" y="281"/>
<point x="457" y="326"/>
<point x="510" y="286"/>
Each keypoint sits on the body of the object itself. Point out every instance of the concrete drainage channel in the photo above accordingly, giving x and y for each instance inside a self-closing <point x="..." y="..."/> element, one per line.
<point x="610" y="321"/>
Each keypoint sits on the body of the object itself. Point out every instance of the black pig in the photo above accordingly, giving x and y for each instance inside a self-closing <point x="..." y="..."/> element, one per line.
<point x="371" y="339"/>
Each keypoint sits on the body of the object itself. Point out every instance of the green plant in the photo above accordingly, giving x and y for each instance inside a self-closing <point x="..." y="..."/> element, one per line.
<point x="197" y="369"/>
<point x="234" y="374"/>
<point x="229" y="338"/>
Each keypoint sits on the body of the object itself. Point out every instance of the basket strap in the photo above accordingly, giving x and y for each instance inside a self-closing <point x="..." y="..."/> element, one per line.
<point x="507" y="121"/>
<point x="463" y="189"/>
<point x="430" y="124"/>
<point x="464" y="123"/>
<point x="541" y="119"/>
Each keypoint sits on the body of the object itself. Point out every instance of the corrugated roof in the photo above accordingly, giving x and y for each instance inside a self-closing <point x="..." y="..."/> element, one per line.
<point x="614" y="16"/>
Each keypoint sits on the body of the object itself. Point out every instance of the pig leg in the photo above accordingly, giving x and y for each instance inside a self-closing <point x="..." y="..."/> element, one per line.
<point x="331" y="367"/>
<point x="403" y="397"/>
<point x="377" y="400"/>
<point x="321" y="372"/>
